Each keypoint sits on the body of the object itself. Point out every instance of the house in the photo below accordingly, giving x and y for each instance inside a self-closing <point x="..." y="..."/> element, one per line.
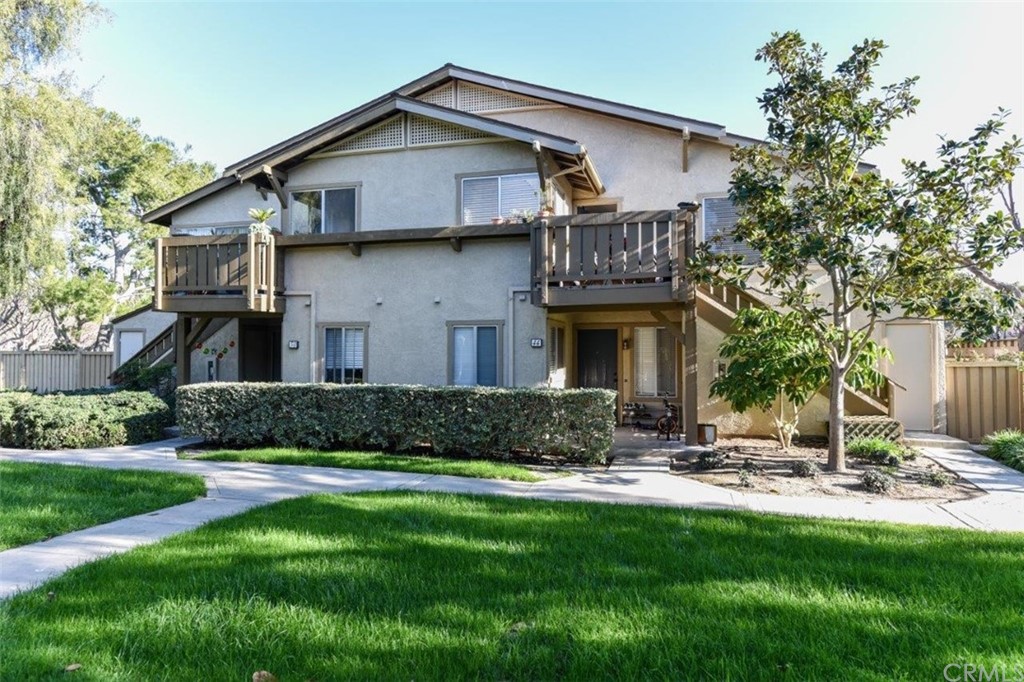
<point x="407" y="252"/>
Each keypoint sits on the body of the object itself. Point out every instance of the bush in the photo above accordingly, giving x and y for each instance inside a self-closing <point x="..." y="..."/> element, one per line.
<point x="1007" y="446"/>
<point x="879" y="451"/>
<point x="804" y="468"/>
<point x="936" y="479"/>
<point x="450" y="420"/>
<point x="708" y="460"/>
<point x="746" y="479"/>
<point x="878" y="481"/>
<point x="99" y="419"/>
<point x="9" y="400"/>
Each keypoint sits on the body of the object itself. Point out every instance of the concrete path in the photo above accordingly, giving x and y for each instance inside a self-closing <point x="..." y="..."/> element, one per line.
<point x="641" y="478"/>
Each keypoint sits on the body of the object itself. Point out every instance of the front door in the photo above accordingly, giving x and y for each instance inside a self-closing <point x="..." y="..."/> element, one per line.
<point x="597" y="358"/>
<point x="261" y="351"/>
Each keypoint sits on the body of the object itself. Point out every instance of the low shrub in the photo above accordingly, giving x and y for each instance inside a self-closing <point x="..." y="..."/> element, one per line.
<point x="936" y="479"/>
<point x="1007" y="446"/>
<point x="878" y="482"/>
<point x="878" y="451"/>
<point x="746" y="478"/>
<point x="9" y="400"/>
<point x="708" y="460"/>
<point x="97" y="419"/>
<point x="464" y="421"/>
<point x="804" y="468"/>
<point x="751" y="467"/>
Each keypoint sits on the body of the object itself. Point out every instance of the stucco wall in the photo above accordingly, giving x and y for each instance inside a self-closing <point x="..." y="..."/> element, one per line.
<point x="151" y="322"/>
<point x="227" y="367"/>
<point x="397" y="189"/>
<point x="407" y="331"/>
<point x="641" y="165"/>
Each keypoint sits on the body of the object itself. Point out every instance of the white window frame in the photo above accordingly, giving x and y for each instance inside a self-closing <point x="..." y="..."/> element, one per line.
<point x="636" y="363"/>
<point x="357" y="186"/>
<point x="364" y="327"/>
<point x="493" y="175"/>
<point x="499" y="326"/>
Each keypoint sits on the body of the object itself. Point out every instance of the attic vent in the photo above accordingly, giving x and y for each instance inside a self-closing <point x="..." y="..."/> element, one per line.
<point x="386" y="135"/>
<point x="477" y="98"/>
<point x="443" y="96"/>
<point x="429" y="131"/>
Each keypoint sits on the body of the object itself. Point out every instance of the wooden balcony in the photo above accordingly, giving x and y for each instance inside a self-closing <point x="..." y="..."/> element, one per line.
<point x="613" y="260"/>
<point x="229" y="274"/>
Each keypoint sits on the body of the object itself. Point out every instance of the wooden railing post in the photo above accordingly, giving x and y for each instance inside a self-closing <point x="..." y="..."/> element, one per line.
<point x="690" y="334"/>
<point x="678" y="265"/>
<point x="540" y="258"/>
<point x="250" y="289"/>
<point x="158" y="289"/>
<point x="271" y="270"/>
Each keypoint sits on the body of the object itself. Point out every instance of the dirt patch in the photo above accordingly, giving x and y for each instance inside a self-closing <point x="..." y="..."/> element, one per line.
<point x="769" y="470"/>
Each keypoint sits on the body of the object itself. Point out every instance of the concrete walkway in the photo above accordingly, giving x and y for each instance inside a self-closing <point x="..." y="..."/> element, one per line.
<point x="641" y="477"/>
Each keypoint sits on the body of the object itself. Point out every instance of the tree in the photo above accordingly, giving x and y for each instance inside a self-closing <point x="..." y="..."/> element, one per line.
<point x="844" y="249"/>
<point x="123" y="173"/>
<point x="776" y="365"/>
<point x="36" y="129"/>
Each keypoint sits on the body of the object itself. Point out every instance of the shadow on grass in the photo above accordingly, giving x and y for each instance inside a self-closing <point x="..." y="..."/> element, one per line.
<point x="406" y="585"/>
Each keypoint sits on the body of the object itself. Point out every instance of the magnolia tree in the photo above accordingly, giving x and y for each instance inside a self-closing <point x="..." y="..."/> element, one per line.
<point x="776" y="365"/>
<point x="844" y="249"/>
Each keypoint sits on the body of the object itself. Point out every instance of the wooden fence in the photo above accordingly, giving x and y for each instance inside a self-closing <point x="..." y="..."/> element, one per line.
<point x="54" y="370"/>
<point x="982" y="397"/>
<point x="987" y="350"/>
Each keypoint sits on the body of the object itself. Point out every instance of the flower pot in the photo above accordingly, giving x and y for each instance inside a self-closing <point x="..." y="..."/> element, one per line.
<point x="497" y="221"/>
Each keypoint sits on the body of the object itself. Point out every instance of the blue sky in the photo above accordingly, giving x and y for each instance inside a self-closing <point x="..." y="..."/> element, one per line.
<point x="232" y="78"/>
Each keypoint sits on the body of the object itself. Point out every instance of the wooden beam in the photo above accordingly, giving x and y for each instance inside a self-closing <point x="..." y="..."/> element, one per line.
<point x="182" y="351"/>
<point x="356" y="249"/>
<point x="456" y="243"/>
<point x="416" y="234"/>
<point x="690" y="335"/>
<point x="670" y="326"/>
<point x="277" y="179"/>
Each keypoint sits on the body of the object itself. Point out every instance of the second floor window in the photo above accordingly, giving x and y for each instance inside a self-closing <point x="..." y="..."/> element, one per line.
<point x="321" y="211"/>
<point x="498" y="196"/>
<point x="719" y="216"/>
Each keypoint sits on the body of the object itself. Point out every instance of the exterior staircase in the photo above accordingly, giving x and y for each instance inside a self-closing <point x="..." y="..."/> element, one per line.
<point x="720" y="305"/>
<point x="160" y="351"/>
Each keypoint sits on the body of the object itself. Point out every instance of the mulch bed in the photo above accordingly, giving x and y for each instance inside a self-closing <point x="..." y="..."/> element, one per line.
<point x="771" y="473"/>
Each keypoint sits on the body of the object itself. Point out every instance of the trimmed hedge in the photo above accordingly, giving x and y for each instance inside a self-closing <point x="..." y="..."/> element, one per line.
<point x="58" y="421"/>
<point x="9" y="400"/>
<point x="462" y="421"/>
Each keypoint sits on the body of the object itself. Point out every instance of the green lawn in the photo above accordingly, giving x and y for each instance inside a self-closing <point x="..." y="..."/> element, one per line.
<point x="381" y="461"/>
<point x="39" y="501"/>
<point x="429" y="586"/>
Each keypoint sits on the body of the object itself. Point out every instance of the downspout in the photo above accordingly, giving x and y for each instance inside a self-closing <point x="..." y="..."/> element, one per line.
<point x="686" y="149"/>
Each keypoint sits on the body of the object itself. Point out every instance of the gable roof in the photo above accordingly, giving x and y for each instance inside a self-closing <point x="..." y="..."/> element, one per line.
<point x="569" y="154"/>
<point x="294" y="149"/>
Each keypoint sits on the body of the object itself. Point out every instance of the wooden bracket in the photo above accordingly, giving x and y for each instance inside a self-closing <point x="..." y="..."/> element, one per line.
<point x="670" y="326"/>
<point x="456" y="243"/>
<point x="356" y="248"/>
<point x="277" y="180"/>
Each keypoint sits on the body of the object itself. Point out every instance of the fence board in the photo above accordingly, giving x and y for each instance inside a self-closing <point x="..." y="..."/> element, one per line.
<point x="45" y="371"/>
<point x="982" y="397"/>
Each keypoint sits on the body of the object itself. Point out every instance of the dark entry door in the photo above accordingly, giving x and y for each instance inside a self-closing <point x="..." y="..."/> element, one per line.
<point x="261" y="351"/>
<point x="597" y="358"/>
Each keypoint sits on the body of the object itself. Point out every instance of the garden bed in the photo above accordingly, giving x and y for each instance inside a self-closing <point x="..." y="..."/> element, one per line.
<point x="771" y="473"/>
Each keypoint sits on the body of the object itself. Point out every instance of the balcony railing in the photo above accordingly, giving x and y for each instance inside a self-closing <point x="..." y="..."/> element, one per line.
<point x="609" y="259"/>
<point x="219" y="274"/>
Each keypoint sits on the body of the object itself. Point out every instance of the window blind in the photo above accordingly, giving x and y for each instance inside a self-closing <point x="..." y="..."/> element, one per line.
<point x="719" y="215"/>
<point x="475" y="356"/>
<point x="654" y="360"/>
<point x="343" y="355"/>
<point x="479" y="200"/>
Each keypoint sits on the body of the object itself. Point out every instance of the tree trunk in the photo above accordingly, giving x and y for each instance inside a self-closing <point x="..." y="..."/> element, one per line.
<point x="836" y="408"/>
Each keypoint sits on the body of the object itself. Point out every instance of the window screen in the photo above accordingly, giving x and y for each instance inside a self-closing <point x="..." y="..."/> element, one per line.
<point x="498" y="196"/>
<point x="322" y="211"/>
<point x="654" y="361"/>
<point x="344" y="351"/>
<point x="475" y="356"/>
<point x="719" y="216"/>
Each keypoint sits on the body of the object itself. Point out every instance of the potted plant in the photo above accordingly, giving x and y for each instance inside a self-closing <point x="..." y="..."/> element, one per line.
<point x="547" y="204"/>
<point x="261" y="225"/>
<point x="497" y="220"/>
